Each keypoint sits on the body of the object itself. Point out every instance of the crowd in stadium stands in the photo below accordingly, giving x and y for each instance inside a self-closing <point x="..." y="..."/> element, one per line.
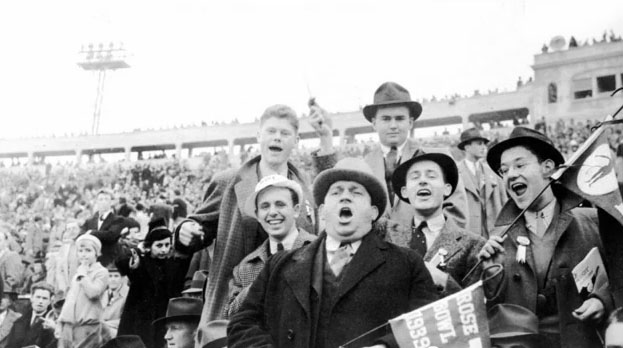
<point x="43" y="208"/>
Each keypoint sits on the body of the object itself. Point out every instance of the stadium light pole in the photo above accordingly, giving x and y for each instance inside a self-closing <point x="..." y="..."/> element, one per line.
<point x="101" y="60"/>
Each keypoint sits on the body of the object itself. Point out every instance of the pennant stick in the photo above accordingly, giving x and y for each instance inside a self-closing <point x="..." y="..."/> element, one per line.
<point x="345" y="345"/>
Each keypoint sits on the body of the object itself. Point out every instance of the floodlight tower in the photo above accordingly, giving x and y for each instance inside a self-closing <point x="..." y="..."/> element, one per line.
<point x="101" y="60"/>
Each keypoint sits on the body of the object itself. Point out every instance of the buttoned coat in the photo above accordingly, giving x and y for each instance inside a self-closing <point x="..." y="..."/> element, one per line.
<point x="250" y="267"/>
<point x="381" y="282"/>
<point x="462" y="249"/>
<point x="237" y="234"/>
<point x="495" y="194"/>
<point x="576" y="232"/>
<point x="6" y="326"/>
<point x="455" y="207"/>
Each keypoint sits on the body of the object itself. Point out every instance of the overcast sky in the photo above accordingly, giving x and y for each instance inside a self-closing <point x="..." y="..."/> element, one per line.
<point x="196" y="61"/>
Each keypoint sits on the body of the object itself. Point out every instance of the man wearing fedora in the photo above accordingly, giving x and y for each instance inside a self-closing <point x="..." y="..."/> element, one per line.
<point x="343" y="284"/>
<point x="393" y="115"/>
<point x="449" y="251"/>
<point x="197" y="285"/>
<point x="484" y="189"/>
<point x="542" y="248"/>
<point x="180" y="322"/>
<point x="221" y="216"/>
<point x="276" y="205"/>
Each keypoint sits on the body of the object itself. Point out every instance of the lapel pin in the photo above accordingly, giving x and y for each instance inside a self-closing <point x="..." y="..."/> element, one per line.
<point x="521" y="249"/>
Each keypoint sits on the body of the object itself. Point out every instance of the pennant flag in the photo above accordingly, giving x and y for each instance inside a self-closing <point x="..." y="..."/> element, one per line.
<point x="456" y="321"/>
<point x="590" y="174"/>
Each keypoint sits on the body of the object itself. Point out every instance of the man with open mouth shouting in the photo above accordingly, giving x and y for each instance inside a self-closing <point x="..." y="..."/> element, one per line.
<point x="449" y="251"/>
<point x="343" y="284"/>
<point x="276" y="206"/>
<point x="542" y="248"/>
<point x="221" y="216"/>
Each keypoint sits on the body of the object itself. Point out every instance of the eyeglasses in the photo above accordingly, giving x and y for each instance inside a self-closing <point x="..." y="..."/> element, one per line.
<point x="518" y="166"/>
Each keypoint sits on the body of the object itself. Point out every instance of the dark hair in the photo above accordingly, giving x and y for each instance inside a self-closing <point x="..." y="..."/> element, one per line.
<point x="42" y="286"/>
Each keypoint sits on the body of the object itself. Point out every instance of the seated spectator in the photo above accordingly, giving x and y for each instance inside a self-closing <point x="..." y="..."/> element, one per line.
<point x="181" y="321"/>
<point x="31" y="328"/>
<point x="8" y="316"/>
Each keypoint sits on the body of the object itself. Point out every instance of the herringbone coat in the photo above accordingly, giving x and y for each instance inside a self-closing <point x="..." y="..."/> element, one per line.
<point x="250" y="267"/>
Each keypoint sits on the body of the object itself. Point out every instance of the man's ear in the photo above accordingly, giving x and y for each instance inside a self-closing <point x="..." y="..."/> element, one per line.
<point x="548" y="167"/>
<point x="321" y="213"/>
<point x="403" y="191"/>
<point x="297" y="211"/>
<point x="374" y="213"/>
<point x="447" y="189"/>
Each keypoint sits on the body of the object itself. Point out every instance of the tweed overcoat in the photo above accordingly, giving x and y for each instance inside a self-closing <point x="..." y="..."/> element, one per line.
<point x="495" y="194"/>
<point x="250" y="267"/>
<point x="455" y="207"/>
<point x="576" y="230"/>
<point x="282" y="307"/>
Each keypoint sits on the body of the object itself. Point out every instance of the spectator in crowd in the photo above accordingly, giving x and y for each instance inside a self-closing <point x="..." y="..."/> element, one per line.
<point x="485" y="191"/>
<point x="67" y="260"/>
<point x="276" y="206"/>
<point x="80" y="320"/>
<point x="221" y="218"/>
<point x="392" y="115"/>
<point x="11" y="268"/>
<point x="155" y="277"/>
<point x="8" y="316"/>
<point x="540" y="250"/>
<point x="361" y="280"/>
<point x="106" y="226"/>
<point x="181" y="321"/>
<point x="34" y="238"/>
<point x="31" y="328"/>
<point x="180" y="208"/>
<point x="197" y="285"/>
<point x="614" y="329"/>
<point x="114" y="299"/>
<point x="449" y="252"/>
<point x="35" y="273"/>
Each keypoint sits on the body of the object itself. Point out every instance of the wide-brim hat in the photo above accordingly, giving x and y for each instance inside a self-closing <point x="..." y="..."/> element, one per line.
<point x="352" y="169"/>
<point x="215" y="334"/>
<point x="125" y="341"/>
<point x="271" y="181"/>
<point x="447" y="164"/>
<point x="196" y="284"/>
<point x="392" y="94"/>
<point x="181" y="308"/>
<point x="524" y="136"/>
<point x="509" y="320"/>
<point x="470" y="135"/>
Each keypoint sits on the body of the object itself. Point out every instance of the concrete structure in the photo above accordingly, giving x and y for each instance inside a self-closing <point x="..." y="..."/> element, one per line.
<point x="572" y="83"/>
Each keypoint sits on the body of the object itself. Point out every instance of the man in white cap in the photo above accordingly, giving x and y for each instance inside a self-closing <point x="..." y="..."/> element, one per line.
<point x="342" y="285"/>
<point x="276" y="205"/>
<point x="393" y="115"/>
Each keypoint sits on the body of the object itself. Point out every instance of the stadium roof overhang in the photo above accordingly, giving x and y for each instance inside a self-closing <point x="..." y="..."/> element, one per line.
<point x="431" y="122"/>
<point x="211" y="143"/>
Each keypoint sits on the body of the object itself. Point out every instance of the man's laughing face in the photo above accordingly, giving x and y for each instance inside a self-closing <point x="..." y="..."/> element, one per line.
<point x="277" y="138"/>
<point x="524" y="177"/>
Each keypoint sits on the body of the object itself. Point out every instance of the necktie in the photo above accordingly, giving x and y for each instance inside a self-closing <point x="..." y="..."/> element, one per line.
<point x="482" y="191"/>
<point x="280" y="247"/>
<point x="390" y="165"/>
<point x="540" y="224"/>
<point x="418" y="239"/>
<point x="341" y="257"/>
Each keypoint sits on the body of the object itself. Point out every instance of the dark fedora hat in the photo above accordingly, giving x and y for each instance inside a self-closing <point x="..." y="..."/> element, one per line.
<point x="351" y="169"/>
<point x="537" y="141"/>
<point x="469" y="135"/>
<point x="447" y="164"/>
<point x="181" y="308"/>
<point x="196" y="284"/>
<point x="125" y="341"/>
<point x="392" y="94"/>
<point x="509" y="320"/>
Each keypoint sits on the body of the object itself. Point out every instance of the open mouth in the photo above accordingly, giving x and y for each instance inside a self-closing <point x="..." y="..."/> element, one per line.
<point x="423" y="193"/>
<point x="274" y="222"/>
<point x="345" y="213"/>
<point x="519" y="188"/>
<point x="275" y="148"/>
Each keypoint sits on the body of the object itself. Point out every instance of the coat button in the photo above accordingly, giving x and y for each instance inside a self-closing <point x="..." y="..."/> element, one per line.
<point x="516" y="277"/>
<point x="291" y="335"/>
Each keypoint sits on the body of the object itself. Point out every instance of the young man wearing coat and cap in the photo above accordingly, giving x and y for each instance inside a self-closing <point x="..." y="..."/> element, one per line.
<point x="343" y="284"/>
<point x="221" y="216"/>
<point x="542" y="248"/>
<point x="393" y="115"/>
<point x="484" y="189"/>
<point x="276" y="205"/>
<point x="449" y="251"/>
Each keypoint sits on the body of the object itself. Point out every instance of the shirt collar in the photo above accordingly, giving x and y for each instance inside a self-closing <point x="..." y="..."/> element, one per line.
<point x="399" y="148"/>
<point x="333" y="244"/>
<point x="288" y="241"/>
<point x="547" y="214"/>
<point x="103" y="217"/>
<point x="434" y="224"/>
